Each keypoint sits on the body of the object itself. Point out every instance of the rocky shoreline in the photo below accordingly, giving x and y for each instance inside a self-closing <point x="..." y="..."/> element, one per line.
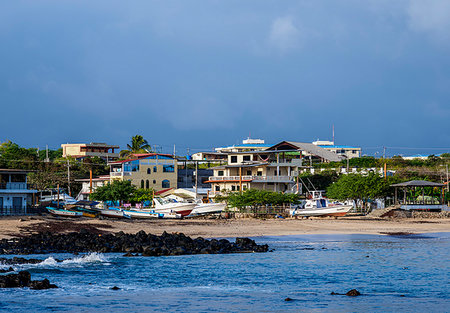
<point x="23" y="279"/>
<point x="140" y="243"/>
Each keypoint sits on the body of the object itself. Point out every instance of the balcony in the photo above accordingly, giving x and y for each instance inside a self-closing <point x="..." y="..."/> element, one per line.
<point x="254" y="179"/>
<point x="15" y="186"/>
<point x="119" y="174"/>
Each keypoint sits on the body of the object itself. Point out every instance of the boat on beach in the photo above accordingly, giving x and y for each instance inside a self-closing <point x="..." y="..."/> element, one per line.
<point x="207" y="208"/>
<point x="64" y="213"/>
<point x="165" y="206"/>
<point x="320" y="206"/>
<point x="114" y="212"/>
<point x="143" y="214"/>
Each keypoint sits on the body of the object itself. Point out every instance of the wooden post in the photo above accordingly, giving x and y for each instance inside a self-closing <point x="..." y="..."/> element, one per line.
<point x="385" y="171"/>
<point x="57" y="186"/>
<point x="90" y="181"/>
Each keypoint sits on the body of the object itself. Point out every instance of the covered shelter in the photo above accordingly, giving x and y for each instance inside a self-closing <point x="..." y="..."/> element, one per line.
<point x="414" y="197"/>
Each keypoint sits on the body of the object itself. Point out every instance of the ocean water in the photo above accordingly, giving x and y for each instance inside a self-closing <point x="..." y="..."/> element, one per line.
<point x="393" y="273"/>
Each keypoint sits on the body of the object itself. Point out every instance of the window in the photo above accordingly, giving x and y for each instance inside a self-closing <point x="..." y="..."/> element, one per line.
<point x="246" y="158"/>
<point x="155" y="169"/>
<point x="233" y="159"/>
<point x="220" y="173"/>
<point x="147" y="184"/>
<point x="168" y="168"/>
<point x="154" y="182"/>
<point x="165" y="183"/>
<point x="354" y="151"/>
<point x="270" y="184"/>
<point x="149" y="171"/>
<point x="217" y="188"/>
<point x="249" y="173"/>
<point x="244" y="187"/>
<point x="233" y="188"/>
<point x="259" y="173"/>
<point x="142" y="183"/>
<point x="275" y="173"/>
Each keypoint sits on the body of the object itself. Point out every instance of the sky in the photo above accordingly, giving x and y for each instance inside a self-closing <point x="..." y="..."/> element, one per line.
<point x="204" y="74"/>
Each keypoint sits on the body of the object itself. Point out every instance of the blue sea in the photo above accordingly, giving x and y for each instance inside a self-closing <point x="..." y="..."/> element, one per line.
<point x="393" y="273"/>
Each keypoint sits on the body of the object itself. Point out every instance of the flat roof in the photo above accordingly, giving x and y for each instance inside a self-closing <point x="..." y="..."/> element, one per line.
<point x="13" y="170"/>
<point x="418" y="183"/>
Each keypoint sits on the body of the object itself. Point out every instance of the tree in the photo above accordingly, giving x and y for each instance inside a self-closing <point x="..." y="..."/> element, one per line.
<point x="254" y="198"/>
<point x="118" y="190"/>
<point x="138" y="145"/>
<point x="359" y="187"/>
<point x="141" y="195"/>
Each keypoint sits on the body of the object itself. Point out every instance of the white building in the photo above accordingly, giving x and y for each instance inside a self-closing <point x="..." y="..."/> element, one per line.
<point x="346" y="151"/>
<point x="15" y="195"/>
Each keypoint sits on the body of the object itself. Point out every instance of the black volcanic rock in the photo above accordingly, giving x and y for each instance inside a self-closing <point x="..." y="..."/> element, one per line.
<point x="353" y="293"/>
<point x="23" y="279"/>
<point x="140" y="243"/>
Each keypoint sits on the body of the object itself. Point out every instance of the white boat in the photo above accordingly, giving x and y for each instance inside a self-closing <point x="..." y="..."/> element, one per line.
<point x="319" y="206"/>
<point x="166" y="206"/>
<point x="171" y="215"/>
<point x="143" y="214"/>
<point x="113" y="212"/>
<point x="207" y="208"/>
<point x="64" y="213"/>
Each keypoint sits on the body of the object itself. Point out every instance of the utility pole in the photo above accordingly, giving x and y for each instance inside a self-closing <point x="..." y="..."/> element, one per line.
<point x="68" y="177"/>
<point x="448" y="183"/>
<point x="384" y="152"/>
<point x="46" y="154"/>
<point x="174" y="151"/>
<point x="196" y="179"/>
<point x="57" y="186"/>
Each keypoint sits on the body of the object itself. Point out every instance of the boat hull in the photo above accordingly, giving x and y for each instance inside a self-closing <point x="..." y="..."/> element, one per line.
<point x="184" y="209"/>
<point x="114" y="213"/>
<point x="64" y="213"/>
<point x="341" y="210"/>
<point x="208" y="208"/>
<point x="142" y="215"/>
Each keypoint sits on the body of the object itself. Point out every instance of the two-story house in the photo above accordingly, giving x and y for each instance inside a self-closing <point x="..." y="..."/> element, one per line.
<point x="264" y="170"/>
<point x="15" y="193"/>
<point x="153" y="170"/>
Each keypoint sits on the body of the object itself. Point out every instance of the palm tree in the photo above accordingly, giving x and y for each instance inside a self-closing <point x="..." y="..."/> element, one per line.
<point x="138" y="145"/>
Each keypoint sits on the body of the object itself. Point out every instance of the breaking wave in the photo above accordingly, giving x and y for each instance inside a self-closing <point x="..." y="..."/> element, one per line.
<point x="93" y="257"/>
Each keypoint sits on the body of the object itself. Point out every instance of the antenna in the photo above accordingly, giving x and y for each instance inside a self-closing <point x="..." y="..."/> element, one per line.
<point x="333" y="134"/>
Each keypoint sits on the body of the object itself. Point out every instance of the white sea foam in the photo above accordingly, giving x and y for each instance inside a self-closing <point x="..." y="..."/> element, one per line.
<point x="93" y="257"/>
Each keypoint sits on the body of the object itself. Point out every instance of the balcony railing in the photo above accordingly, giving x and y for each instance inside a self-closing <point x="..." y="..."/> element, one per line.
<point x="20" y="186"/>
<point x="253" y="178"/>
<point x="119" y="174"/>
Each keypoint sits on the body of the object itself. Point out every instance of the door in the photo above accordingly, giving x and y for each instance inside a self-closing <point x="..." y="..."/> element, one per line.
<point x="17" y="203"/>
<point x="1" y="205"/>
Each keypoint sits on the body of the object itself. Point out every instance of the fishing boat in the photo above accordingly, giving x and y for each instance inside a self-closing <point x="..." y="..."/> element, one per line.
<point x="114" y="212"/>
<point x="207" y="208"/>
<point x="143" y="214"/>
<point x="166" y="206"/>
<point x="64" y="213"/>
<point x="320" y="206"/>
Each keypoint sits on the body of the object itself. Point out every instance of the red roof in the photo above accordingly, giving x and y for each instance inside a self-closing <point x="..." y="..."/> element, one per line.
<point x="162" y="191"/>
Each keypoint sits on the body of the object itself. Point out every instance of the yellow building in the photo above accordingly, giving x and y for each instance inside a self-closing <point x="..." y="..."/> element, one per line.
<point x="153" y="170"/>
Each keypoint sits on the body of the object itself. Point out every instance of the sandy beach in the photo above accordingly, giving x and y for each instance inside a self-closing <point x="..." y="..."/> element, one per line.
<point x="209" y="228"/>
